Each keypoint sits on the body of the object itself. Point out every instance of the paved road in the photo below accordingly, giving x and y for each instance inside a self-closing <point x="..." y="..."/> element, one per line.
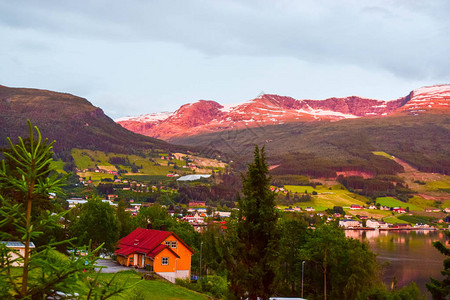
<point x="110" y="266"/>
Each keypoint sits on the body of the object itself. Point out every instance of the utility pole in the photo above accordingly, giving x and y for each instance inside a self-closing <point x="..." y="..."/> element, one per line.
<point x="201" y="246"/>
<point x="303" y="265"/>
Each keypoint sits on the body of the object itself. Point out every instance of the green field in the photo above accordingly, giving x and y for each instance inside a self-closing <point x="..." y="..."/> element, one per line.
<point x="326" y="197"/>
<point x="95" y="176"/>
<point x="58" y="165"/>
<point x="392" y="202"/>
<point x="87" y="159"/>
<point x="151" y="289"/>
<point x="393" y="220"/>
<point x="381" y="153"/>
<point x="415" y="219"/>
<point x="439" y="185"/>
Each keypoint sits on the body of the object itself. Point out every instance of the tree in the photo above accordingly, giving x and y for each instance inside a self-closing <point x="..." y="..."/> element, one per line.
<point x="27" y="177"/>
<point x="124" y="219"/>
<point x="97" y="223"/>
<point x="293" y="236"/>
<point x="251" y="261"/>
<point x="441" y="289"/>
<point x="348" y="267"/>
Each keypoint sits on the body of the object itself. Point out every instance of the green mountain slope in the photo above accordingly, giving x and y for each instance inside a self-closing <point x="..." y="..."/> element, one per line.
<point x="72" y="121"/>
<point x="322" y="148"/>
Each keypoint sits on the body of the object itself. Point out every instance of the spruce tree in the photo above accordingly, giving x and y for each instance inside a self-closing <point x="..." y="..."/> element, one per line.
<point x="441" y="289"/>
<point x="251" y="269"/>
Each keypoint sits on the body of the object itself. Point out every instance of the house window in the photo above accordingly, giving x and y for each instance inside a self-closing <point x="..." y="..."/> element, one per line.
<point x="165" y="261"/>
<point x="167" y="243"/>
<point x="173" y="244"/>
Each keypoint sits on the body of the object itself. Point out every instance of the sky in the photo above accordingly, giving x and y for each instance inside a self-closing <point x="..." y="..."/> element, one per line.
<point x="141" y="56"/>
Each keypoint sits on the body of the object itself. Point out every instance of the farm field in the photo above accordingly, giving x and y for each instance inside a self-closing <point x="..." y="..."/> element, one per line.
<point x="371" y="213"/>
<point x="154" y="166"/>
<point x="326" y="197"/>
<point x="392" y="202"/>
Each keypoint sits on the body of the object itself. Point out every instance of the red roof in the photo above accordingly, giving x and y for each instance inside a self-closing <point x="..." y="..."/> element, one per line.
<point x="146" y="241"/>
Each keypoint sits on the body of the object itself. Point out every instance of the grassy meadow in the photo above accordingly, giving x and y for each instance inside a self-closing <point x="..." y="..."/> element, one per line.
<point x="326" y="197"/>
<point x="151" y="289"/>
<point x="392" y="202"/>
<point x="151" y="166"/>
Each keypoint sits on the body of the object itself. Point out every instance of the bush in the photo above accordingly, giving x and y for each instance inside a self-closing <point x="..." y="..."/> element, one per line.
<point x="212" y="285"/>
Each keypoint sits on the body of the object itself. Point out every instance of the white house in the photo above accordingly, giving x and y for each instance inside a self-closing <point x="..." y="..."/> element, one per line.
<point x="371" y="223"/>
<point x="349" y="223"/>
<point x="17" y="251"/>
<point x="194" y="219"/>
<point x="74" y="201"/>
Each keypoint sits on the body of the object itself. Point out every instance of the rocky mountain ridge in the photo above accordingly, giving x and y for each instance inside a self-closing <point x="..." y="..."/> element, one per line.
<point x="206" y="116"/>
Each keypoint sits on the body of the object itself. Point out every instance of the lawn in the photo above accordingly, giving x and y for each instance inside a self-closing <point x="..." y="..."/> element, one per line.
<point x="392" y="202"/>
<point x="143" y="289"/>
<point x="151" y="289"/>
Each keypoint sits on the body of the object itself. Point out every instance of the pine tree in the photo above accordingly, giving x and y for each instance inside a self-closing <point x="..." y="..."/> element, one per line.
<point x="251" y="270"/>
<point x="441" y="289"/>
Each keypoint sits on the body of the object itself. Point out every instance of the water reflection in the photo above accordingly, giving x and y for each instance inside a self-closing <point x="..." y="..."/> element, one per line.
<point x="406" y="255"/>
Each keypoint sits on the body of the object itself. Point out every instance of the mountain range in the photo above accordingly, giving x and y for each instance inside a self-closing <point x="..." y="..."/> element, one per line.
<point x="313" y="137"/>
<point x="70" y="120"/>
<point x="205" y="116"/>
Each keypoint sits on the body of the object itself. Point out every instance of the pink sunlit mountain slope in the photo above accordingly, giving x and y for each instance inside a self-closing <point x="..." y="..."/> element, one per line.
<point x="209" y="116"/>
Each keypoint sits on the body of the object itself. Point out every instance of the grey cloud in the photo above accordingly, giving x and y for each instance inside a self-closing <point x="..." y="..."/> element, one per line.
<point x="407" y="38"/>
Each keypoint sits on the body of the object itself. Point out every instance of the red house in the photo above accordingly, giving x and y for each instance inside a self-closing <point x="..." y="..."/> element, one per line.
<point x="162" y="251"/>
<point x="356" y="206"/>
<point x="399" y="210"/>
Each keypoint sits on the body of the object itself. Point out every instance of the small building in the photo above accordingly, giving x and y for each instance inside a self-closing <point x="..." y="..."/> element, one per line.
<point x="446" y="210"/>
<point x="223" y="214"/>
<point x="355" y="206"/>
<point x="373" y="207"/>
<point x="309" y="208"/>
<point x="16" y="252"/>
<point x="194" y="219"/>
<point x="75" y="201"/>
<point x="349" y="223"/>
<point x="399" y="210"/>
<point x="371" y="223"/>
<point x="422" y="225"/>
<point x="193" y="177"/>
<point x="401" y="226"/>
<point x="161" y="251"/>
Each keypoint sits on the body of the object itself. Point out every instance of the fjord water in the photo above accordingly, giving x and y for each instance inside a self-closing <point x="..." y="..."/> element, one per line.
<point x="406" y="255"/>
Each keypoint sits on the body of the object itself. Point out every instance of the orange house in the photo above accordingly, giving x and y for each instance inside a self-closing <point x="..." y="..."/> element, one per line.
<point x="162" y="251"/>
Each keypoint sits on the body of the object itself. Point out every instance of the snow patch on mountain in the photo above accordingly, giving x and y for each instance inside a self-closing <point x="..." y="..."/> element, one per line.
<point x="153" y="117"/>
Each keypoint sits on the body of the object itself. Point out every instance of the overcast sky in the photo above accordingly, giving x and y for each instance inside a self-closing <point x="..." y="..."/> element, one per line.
<point x="134" y="57"/>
